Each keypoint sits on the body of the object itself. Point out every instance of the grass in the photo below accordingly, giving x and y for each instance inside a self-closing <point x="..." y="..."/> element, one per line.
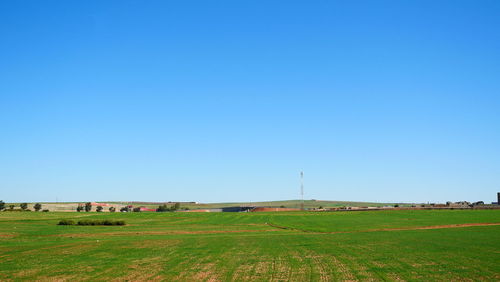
<point x="294" y="246"/>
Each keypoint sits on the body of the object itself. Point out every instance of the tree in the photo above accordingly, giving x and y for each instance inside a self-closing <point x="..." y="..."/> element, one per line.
<point x="79" y="208"/>
<point x="112" y="209"/>
<point x="99" y="209"/>
<point x="176" y="206"/>
<point x="2" y="205"/>
<point x="11" y="207"/>
<point x="162" y="208"/>
<point x="24" y="206"/>
<point x="124" y="209"/>
<point x="88" y="206"/>
<point x="37" y="206"/>
<point x="138" y="209"/>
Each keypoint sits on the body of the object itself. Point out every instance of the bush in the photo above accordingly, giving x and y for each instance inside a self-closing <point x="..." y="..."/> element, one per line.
<point x="112" y="209"/>
<point x="24" y="206"/>
<point x="162" y="208"/>
<point x="66" y="222"/>
<point x="37" y="206"/>
<point x="99" y="209"/>
<point x="45" y="210"/>
<point x="137" y="209"/>
<point x="107" y="222"/>
<point x="119" y="222"/>
<point x="84" y="222"/>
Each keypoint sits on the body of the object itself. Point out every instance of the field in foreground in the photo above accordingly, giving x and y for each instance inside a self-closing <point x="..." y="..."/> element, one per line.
<point x="298" y="246"/>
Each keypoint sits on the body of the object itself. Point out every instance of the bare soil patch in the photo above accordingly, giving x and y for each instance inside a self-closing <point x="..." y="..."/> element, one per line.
<point x="390" y="229"/>
<point x="129" y="233"/>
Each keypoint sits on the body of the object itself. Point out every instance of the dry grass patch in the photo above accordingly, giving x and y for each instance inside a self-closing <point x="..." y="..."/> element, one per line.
<point x="146" y="269"/>
<point x="152" y="243"/>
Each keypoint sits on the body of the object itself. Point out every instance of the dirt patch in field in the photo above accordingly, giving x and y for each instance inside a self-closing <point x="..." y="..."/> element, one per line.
<point x="26" y="273"/>
<point x="207" y="273"/>
<point x="439" y="226"/>
<point x="146" y="269"/>
<point x="199" y="271"/>
<point x="388" y="229"/>
<point x="273" y="209"/>
<point x="4" y="235"/>
<point x="65" y="249"/>
<point x="147" y="244"/>
<point x="128" y="233"/>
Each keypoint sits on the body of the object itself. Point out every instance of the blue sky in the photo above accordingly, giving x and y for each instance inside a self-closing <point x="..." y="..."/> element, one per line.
<point x="217" y="101"/>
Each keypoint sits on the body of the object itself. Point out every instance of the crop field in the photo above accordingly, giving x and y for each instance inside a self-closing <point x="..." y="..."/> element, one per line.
<point x="289" y="246"/>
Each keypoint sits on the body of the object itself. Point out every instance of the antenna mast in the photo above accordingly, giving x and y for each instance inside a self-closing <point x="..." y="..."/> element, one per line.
<point x="302" y="189"/>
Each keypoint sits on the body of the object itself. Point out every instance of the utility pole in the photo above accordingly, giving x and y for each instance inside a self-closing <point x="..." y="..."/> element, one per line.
<point x="302" y="189"/>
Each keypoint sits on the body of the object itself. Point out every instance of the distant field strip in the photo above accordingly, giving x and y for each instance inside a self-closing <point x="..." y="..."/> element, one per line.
<point x="386" y="229"/>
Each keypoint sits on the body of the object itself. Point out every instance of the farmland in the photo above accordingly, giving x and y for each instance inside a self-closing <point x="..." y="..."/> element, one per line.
<point x="380" y="245"/>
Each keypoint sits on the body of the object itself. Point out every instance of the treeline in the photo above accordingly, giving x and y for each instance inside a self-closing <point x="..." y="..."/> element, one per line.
<point x="88" y="207"/>
<point x="165" y="208"/>
<point x="23" y="207"/>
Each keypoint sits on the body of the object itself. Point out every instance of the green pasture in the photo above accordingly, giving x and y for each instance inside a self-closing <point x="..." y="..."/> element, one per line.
<point x="292" y="246"/>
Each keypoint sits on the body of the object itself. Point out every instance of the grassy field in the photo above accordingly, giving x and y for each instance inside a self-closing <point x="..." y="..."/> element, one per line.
<point x="298" y="246"/>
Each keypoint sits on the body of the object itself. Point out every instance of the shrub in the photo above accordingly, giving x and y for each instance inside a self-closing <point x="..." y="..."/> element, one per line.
<point x="45" y="210"/>
<point x="88" y="206"/>
<point x="37" y="206"/>
<point x="79" y="208"/>
<point x="119" y="222"/>
<point x="112" y="209"/>
<point x="84" y="222"/>
<point x="162" y="208"/>
<point x="137" y="209"/>
<point x="107" y="222"/>
<point x="176" y="206"/>
<point x="66" y="222"/>
<point x="24" y="206"/>
<point x="99" y="209"/>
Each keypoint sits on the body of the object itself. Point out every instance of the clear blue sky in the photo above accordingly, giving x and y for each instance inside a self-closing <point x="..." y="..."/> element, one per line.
<point x="228" y="101"/>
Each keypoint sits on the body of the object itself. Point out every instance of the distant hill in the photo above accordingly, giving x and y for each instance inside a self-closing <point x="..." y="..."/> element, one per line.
<point x="71" y="206"/>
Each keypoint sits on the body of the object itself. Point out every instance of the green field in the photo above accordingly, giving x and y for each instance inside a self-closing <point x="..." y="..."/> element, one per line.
<point x="293" y="246"/>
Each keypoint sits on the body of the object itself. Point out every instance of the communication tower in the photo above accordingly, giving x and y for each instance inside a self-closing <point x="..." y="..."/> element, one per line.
<point x="302" y="190"/>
